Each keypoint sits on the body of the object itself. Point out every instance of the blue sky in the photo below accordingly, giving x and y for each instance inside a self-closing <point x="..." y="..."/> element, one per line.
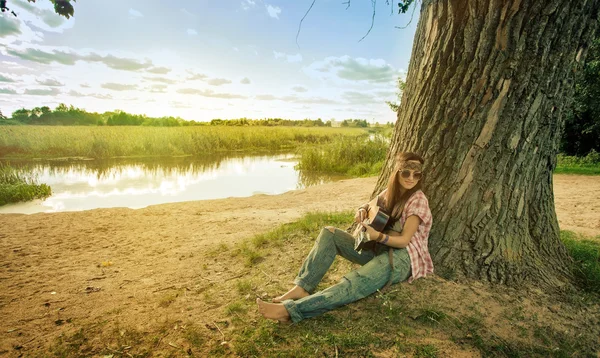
<point x="206" y="59"/>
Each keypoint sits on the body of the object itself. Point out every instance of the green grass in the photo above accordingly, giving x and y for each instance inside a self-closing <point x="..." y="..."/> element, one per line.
<point x="108" y="142"/>
<point x="586" y="259"/>
<point x="18" y="185"/>
<point x="359" y="157"/>
<point x="588" y="165"/>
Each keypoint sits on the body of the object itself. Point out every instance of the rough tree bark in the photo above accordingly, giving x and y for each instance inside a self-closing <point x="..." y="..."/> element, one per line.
<point x="487" y="88"/>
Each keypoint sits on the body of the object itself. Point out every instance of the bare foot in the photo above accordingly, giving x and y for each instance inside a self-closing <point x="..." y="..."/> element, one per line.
<point x="274" y="311"/>
<point x="293" y="294"/>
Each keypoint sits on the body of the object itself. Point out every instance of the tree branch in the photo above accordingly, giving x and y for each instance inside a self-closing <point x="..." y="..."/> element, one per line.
<point x="374" y="2"/>
<point x="300" y="25"/>
<point x="411" y="17"/>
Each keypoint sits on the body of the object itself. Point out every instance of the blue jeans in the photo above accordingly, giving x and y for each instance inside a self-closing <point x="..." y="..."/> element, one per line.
<point x="367" y="279"/>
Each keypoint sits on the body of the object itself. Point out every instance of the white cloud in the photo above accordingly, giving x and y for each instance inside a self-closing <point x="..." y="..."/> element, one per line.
<point x="299" y="89"/>
<point x="218" y="81"/>
<point x="196" y="76"/>
<point x="209" y="93"/>
<point x="135" y="14"/>
<point x="5" y="78"/>
<point x="245" y="81"/>
<point x="192" y="32"/>
<point x="161" y="80"/>
<point x="9" y="25"/>
<point x="67" y="56"/>
<point x="345" y="68"/>
<point x="119" y="86"/>
<point x="50" y="82"/>
<point x="7" y="90"/>
<point x="247" y="4"/>
<point x="273" y="11"/>
<point x="289" y="58"/>
<point x="294" y="58"/>
<point x="42" y="91"/>
<point x="159" y="70"/>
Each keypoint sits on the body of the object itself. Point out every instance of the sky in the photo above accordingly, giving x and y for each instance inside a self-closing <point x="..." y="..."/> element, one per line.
<point x="203" y="59"/>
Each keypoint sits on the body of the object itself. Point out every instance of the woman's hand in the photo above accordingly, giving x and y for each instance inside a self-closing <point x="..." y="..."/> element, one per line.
<point x="372" y="233"/>
<point x="361" y="215"/>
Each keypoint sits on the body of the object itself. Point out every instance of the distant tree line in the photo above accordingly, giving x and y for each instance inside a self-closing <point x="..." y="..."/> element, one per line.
<point x="65" y="115"/>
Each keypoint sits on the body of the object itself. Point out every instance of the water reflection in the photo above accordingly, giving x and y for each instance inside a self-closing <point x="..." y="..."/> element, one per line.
<point x="90" y="184"/>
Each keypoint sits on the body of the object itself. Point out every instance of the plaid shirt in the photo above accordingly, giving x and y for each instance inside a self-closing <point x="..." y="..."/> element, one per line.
<point x="420" y="260"/>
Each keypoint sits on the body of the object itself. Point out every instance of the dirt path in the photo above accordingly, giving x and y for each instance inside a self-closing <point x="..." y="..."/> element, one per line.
<point x="52" y="264"/>
<point x="577" y="199"/>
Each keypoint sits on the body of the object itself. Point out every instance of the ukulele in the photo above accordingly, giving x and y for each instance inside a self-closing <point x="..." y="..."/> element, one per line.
<point x="377" y="219"/>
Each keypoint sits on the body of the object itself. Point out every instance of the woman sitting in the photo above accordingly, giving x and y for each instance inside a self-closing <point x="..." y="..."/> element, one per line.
<point x="406" y="233"/>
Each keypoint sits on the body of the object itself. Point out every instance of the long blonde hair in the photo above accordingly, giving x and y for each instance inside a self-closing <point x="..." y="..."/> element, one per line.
<point x="394" y="201"/>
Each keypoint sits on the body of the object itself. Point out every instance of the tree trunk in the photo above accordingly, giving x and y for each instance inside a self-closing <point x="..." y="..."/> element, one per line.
<point x="488" y="85"/>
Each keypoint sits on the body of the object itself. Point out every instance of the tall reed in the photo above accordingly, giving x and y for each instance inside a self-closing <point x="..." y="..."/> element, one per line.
<point x="107" y="142"/>
<point x="359" y="157"/>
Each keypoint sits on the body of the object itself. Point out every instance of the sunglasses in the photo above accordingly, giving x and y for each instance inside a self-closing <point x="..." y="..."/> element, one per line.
<point x="406" y="174"/>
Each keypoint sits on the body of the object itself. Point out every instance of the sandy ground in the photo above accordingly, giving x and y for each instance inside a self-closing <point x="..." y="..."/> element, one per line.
<point x="51" y="263"/>
<point x="577" y="199"/>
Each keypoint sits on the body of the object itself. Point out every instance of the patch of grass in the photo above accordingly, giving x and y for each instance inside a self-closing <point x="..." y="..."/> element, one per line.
<point x="430" y="315"/>
<point x="250" y="255"/>
<point x="20" y="185"/>
<point x="235" y="307"/>
<point x="217" y="250"/>
<point x="359" y="157"/>
<point x="426" y="351"/>
<point x="586" y="260"/>
<point x="71" y="345"/>
<point x="194" y="336"/>
<point x="243" y="287"/>
<point x="588" y="165"/>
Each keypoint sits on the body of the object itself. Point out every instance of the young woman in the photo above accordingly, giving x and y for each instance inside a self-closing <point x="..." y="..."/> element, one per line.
<point x="407" y="233"/>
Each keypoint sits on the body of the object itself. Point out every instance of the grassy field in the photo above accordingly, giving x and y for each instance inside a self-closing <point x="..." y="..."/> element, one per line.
<point x="107" y="142"/>
<point x="429" y="318"/>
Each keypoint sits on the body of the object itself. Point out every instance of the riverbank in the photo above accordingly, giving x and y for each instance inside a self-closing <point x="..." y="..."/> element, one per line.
<point x="159" y="279"/>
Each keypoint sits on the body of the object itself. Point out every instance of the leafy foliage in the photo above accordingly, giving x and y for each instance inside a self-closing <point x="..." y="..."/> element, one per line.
<point x="582" y="126"/>
<point x="61" y="7"/>
<point x="396" y="104"/>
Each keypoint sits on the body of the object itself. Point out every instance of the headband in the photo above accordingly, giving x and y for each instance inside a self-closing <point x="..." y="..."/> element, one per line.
<point x="410" y="165"/>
